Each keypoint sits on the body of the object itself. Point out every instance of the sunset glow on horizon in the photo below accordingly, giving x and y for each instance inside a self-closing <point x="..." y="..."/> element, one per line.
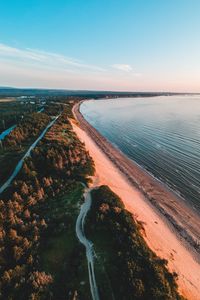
<point x="101" y="45"/>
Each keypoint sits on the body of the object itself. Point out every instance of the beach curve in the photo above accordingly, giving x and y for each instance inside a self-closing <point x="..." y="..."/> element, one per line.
<point x="172" y="239"/>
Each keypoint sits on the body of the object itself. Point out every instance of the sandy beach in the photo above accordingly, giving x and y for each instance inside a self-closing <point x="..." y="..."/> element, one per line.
<point x="172" y="229"/>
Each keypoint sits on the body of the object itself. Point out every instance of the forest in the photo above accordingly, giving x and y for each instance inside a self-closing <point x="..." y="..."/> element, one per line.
<point x="12" y="111"/>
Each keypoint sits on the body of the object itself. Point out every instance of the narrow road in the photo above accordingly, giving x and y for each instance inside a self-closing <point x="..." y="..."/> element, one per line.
<point x="40" y="110"/>
<point x="6" y="132"/>
<point x="88" y="244"/>
<point x="20" y="163"/>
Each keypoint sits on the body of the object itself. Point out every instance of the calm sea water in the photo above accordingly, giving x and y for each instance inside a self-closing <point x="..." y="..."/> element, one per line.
<point x="161" y="134"/>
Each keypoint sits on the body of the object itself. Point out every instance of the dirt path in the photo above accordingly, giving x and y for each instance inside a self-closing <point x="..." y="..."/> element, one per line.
<point x="80" y="223"/>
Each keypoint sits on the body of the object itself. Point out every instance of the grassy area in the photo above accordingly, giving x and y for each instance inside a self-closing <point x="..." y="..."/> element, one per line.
<point x="61" y="253"/>
<point x="57" y="249"/>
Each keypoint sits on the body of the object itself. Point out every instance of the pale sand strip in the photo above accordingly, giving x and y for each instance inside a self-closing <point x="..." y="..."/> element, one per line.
<point x="160" y="236"/>
<point x="9" y="99"/>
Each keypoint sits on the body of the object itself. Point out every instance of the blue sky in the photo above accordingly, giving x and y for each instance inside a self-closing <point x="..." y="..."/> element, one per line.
<point x="149" y="45"/>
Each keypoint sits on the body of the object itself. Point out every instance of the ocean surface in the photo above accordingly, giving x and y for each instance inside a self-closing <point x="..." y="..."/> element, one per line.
<point x="161" y="134"/>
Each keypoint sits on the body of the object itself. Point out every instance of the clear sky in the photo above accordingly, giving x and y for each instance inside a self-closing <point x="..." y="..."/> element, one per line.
<point x="133" y="45"/>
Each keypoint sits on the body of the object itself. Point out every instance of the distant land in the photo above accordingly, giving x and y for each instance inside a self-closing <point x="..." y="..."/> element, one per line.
<point x="15" y="92"/>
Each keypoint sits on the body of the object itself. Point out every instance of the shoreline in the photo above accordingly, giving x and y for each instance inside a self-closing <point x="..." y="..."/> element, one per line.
<point x="177" y="212"/>
<point x="174" y="238"/>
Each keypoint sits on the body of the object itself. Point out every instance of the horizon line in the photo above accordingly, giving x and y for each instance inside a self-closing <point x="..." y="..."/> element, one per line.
<point x="91" y="90"/>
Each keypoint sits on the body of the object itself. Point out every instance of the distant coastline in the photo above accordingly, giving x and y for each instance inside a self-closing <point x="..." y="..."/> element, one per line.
<point x="83" y="94"/>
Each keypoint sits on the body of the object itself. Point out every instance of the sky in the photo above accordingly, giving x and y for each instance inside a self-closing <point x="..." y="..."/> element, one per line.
<point x="119" y="45"/>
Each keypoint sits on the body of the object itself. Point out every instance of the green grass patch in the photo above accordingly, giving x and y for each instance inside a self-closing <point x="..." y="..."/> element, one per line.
<point x="61" y="254"/>
<point x="57" y="250"/>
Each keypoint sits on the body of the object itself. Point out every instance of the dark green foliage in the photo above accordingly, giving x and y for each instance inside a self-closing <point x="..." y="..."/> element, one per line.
<point x="12" y="112"/>
<point x="60" y="154"/>
<point x="30" y="126"/>
<point x="42" y="205"/>
<point x="134" y="271"/>
<point x="19" y="140"/>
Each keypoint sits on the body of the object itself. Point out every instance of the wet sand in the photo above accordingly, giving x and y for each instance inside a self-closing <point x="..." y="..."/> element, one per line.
<point x="172" y="228"/>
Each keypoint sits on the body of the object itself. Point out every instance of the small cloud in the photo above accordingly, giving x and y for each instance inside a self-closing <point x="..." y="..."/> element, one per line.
<point x="123" y="67"/>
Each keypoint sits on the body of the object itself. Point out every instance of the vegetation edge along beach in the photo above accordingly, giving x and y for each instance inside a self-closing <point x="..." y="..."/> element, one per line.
<point x="171" y="205"/>
<point x="171" y="209"/>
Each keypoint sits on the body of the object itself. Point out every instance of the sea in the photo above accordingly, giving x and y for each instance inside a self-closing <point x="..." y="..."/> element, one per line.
<point x="161" y="134"/>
